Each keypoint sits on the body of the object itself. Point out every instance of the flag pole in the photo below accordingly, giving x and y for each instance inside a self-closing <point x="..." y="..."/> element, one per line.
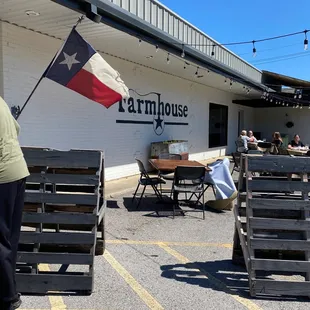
<point x="41" y="78"/>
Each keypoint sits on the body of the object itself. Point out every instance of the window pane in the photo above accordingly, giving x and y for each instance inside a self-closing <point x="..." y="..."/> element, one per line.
<point x="218" y="119"/>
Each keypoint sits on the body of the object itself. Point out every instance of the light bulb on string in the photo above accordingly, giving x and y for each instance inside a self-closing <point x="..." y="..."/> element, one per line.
<point x="300" y="106"/>
<point x="231" y="83"/>
<point x="196" y="73"/>
<point x="225" y="81"/>
<point x="140" y="41"/>
<point x="157" y="48"/>
<point x="168" y="59"/>
<point x="271" y="100"/>
<point x="213" y="50"/>
<point x="295" y="96"/>
<point x="306" y="41"/>
<point x="183" y="53"/>
<point x="283" y="103"/>
<point x="254" y="49"/>
<point x="287" y="104"/>
<point x="300" y="96"/>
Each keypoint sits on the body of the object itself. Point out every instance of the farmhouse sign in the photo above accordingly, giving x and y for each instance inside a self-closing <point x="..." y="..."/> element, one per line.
<point x="151" y="112"/>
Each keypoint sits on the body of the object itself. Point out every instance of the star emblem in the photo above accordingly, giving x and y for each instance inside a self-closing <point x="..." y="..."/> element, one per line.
<point x="158" y="125"/>
<point x="69" y="60"/>
<point x="158" y="122"/>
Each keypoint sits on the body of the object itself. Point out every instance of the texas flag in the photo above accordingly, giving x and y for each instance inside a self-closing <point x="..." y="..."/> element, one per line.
<point x="79" y="67"/>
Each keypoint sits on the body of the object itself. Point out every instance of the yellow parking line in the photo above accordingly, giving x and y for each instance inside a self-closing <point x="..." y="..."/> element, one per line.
<point x="216" y="282"/>
<point x="195" y="244"/>
<point x="149" y="300"/>
<point x="57" y="302"/>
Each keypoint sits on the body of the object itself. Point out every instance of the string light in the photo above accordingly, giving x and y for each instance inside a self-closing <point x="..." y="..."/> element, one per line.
<point x="213" y="50"/>
<point x="231" y="83"/>
<point x="225" y="81"/>
<point x="140" y="41"/>
<point x="168" y="59"/>
<point x="157" y="48"/>
<point x="254" y="49"/>
<point x="183" y="53"/>
<point x="306" y="41"/>
<point x="197" y="71"/>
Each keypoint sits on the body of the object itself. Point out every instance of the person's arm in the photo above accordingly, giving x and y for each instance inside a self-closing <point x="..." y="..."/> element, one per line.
<point x="290" y="146"/>
<point x="301" y="144"/>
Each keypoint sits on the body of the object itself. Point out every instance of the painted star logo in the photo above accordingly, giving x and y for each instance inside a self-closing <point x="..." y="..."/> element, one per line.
<point x="69" y="60"/>
<point x="158" y="125"/>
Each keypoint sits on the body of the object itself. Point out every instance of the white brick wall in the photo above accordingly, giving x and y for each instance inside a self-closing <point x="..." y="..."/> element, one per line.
<point x="59" y="118"/>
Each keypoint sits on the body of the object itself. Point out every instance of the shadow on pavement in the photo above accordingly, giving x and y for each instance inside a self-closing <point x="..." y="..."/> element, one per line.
<point x="220" y="275"/>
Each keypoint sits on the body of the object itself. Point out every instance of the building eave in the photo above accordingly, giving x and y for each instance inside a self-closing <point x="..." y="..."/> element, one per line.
<point x="118" y="18"/>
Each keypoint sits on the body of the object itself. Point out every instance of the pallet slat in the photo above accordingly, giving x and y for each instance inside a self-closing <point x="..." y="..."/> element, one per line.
<point x="43" y="283"/>
<point x="280" y="244"/>
<point x="49" y="178"/>
<point x="56" y="238"/>
<point x="280" y="164"/>
<point x="62" y="159"/>
<point x="279" y="204"/>
<point x="272" y="287"/>
<point x="267" y="223"/>
<point x="54" y="258"/>
<point x="282" y="265"/>
<point x="59" y="218"/>
<point x="82" y="199"/>
<point x="279" y="186"/>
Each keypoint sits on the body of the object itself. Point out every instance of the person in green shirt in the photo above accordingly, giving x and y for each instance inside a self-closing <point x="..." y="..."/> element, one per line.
<point x="13" y="173"/>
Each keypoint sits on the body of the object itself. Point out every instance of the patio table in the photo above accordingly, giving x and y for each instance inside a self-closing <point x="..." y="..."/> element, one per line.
<point x="170" y="165"/>
<point x="297" y="152"/>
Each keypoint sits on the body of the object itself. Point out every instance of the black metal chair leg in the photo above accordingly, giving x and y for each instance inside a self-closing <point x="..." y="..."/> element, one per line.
<point x="203" y="205"/>
<point x="214" y="191"/>
<point x="134" y="195"/>
<point x="141" y="197"/>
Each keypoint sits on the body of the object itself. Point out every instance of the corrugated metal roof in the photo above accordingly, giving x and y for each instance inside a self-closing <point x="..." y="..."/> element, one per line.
<point x="163" y="18"/>
<point x="56" y="21"/>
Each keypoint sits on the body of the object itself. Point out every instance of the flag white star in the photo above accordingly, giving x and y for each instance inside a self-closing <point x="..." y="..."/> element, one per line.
<point x="69" y="60"/>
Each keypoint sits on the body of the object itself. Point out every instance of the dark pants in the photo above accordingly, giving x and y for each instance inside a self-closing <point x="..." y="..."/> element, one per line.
<point x="11" y="208"/>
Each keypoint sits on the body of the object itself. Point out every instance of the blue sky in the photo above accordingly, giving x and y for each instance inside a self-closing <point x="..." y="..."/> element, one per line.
<point x="246" y="20"/>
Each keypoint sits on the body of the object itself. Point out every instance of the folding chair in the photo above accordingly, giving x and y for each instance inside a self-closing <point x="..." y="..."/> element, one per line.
<point x="170" y="175"/>
<point x="145" y="180"/>
<point x="236" y="157"/>
<point x="189" y="180"/>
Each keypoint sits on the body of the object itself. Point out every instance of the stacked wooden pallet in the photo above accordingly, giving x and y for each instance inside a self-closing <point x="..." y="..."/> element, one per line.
<point x="64" y="207"/>
<point x="272" y="219"/>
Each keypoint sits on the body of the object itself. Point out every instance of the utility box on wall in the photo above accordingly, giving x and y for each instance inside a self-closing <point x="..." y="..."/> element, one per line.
<point x="171" y="147"/>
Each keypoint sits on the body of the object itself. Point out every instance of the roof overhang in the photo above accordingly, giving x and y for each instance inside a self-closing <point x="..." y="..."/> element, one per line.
<point x="274" y="80"/>
<point x="118" y="18"/>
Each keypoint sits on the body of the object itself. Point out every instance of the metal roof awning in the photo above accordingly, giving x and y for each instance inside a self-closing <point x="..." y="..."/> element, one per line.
<point x="274" y="80"/>
<point x="118" y="18"/>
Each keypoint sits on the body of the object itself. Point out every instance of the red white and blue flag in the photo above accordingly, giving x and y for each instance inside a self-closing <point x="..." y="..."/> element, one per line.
<point x="79" y="67"/>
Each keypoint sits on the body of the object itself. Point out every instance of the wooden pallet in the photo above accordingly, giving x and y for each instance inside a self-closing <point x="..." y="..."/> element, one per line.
<point x="64" y="206"/>
<point x="273" y="225"/>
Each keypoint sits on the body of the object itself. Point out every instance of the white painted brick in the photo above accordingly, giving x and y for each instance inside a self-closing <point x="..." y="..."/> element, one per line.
<point x="59" y="118"/>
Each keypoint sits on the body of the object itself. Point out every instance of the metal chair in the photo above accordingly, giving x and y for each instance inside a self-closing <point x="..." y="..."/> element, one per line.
<point x="170" y="175"/>
<point x="236" y="157"/>
<point x="145" y="180"/>
<point x="189" y="180"/>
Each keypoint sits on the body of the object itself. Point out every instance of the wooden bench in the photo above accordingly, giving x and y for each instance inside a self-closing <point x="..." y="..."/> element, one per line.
<point x="272" y="219"/>
<point x="64" y="207"/>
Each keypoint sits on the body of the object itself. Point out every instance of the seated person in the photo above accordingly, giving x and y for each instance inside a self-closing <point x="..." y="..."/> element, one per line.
<point x="250" y="135"/>
<point x="277" y="140"/>
<point x="295" y="142"/>
<point x="242" y="142"/>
